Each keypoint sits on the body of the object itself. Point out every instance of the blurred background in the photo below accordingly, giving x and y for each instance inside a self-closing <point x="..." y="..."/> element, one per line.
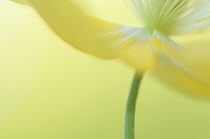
<point x="49" y="90"/>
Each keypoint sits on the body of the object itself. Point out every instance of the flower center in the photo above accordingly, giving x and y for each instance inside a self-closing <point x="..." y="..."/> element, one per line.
<point x="164" y="15"/>
<point x="172" y="16"/>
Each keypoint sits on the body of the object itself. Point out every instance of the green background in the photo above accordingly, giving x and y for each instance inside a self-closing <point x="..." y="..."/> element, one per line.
<point x="49" y="90"/>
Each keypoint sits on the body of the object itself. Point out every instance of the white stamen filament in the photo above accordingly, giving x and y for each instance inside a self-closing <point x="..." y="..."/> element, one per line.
<point x="173" y="17"/>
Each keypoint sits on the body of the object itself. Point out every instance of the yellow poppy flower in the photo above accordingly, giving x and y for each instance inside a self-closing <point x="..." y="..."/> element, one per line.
<point x="185" y="65"/>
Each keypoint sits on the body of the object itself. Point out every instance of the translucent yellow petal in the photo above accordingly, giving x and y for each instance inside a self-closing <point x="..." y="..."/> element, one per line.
<point x="116" y="11"/>
<point x="21" y="1"/>
<point x="190" y="69"/>
<point x="78" y="29"/>
<point x="96" y="36"/>
<point x="141" y="56"/>
<point x="136" y="47"/>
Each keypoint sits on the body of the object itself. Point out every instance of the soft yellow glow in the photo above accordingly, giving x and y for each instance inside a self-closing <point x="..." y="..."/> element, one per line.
<point x="50" y="91"/>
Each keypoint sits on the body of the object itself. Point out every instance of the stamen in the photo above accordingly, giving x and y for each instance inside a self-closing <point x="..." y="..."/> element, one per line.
<point x="173" y="17"/>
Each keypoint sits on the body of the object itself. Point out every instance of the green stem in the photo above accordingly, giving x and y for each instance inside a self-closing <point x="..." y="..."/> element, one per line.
<point x="131" y="107"/>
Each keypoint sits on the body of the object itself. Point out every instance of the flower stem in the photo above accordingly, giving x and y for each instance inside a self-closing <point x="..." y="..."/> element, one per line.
<point x="131" y="107"/>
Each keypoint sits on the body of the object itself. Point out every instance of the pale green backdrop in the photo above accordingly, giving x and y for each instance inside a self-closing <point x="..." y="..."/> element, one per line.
<point x="48" y="90"/>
